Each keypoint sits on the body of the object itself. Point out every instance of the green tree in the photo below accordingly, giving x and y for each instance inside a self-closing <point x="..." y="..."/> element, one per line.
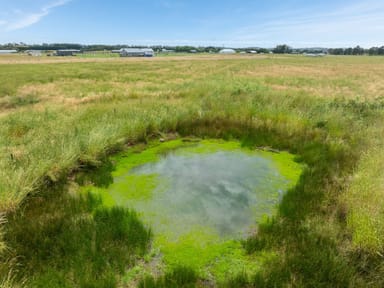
<point x="282" y="49"/>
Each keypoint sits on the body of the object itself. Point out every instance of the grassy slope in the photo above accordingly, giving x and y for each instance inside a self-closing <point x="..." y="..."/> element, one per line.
<point x="56" y="117"/>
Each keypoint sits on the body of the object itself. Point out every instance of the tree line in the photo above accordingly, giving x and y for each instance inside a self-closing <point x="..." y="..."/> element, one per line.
<point x="100" y="47"/>
<point x="279" y="49"/>
<point x="357" y="50"/>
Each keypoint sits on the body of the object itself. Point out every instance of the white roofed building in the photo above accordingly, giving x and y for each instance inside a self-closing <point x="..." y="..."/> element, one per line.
<point x="227" y="51"/>
<point x="8" y="51"/>
<point x="137" y="52"/>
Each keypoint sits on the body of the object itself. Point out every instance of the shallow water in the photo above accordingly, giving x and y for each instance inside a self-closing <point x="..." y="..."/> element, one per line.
<point x="199" y="198"/>
<point x="225" y="192"/>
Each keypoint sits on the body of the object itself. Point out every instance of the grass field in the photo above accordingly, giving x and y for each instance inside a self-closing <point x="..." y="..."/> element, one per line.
<point x="62" y="115"/>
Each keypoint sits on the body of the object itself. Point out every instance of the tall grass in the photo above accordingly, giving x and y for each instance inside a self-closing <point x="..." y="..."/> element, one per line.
<point x="321" y="109"/>
<point x="73" y="241"/>
<point x="179" y="277"/>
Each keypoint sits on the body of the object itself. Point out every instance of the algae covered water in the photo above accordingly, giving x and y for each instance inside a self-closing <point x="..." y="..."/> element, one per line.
<point x="200" y="199"/>
<point x="226" y="191"/>
<point x="216" y="186"/>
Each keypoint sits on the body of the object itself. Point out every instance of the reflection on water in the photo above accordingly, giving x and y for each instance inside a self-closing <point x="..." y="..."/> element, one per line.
<point x="226" y="192"/>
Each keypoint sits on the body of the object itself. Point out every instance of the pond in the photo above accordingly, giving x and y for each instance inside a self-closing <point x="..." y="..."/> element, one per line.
<point x="199" y="194"/>
<point x="225" y="191"/>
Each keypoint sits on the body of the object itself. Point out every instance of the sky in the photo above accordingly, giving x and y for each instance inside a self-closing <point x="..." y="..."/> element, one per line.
<point x="229" y="23"/>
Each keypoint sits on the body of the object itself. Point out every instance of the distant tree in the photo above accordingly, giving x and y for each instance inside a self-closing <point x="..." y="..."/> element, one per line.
<point x="358" y="50"/>
<point x="348" y="51"/>
<point x="262" y="50"/>
<point x="184" y="48"/>
<point x="282" y="49"/>
<point x="211" y="49"/>
<point x="373" y="51"/>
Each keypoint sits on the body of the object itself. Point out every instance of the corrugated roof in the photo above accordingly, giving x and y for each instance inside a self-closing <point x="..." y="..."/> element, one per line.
<point x="136" y="50"/>
<point x="68" y="50"/>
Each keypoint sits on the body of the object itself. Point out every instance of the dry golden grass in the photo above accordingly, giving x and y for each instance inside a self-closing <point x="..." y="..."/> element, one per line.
<point x="24" y="59"/>
<point x="324" y="79"/>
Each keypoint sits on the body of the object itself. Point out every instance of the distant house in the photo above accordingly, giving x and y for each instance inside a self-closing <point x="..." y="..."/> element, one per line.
<point x="137" y="52"/>
<point x="67" y="52"/>
<point x="2" y="52"/>
<point x="227" y="51"/>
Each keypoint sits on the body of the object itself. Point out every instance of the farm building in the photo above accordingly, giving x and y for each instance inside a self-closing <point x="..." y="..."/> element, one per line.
<point x="34" y="52"/>
<point x="227" y="51"/>
<point x="67" y="52"/>
<point x="314" y="54"/>
<point x="7" y="52"/>
<point x="137" y="52"/>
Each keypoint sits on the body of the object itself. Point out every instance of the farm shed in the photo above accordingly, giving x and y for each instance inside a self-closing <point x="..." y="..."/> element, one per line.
<point x="34" y="52"/>
<point x="227" y="51"/>
<point x="67" y="52"/>
<point x="7" y="52"/>
<point x="137" y="52"/>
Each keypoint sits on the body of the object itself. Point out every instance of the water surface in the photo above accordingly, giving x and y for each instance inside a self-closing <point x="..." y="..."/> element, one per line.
<point x="224" y="191"/>
<point x="199" y="199"/>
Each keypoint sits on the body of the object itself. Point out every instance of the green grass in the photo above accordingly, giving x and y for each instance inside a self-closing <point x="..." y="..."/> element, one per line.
<point x="74" y="241"/>
<point x="58" y="118"/>
<point x="98" y="54"/>
<point x="179" y="277"/>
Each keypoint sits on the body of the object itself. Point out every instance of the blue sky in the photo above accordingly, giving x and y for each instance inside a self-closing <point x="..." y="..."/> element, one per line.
<point x="231" y="23"/>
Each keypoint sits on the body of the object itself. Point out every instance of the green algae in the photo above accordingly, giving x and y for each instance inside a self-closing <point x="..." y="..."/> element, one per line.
<point x="139" y="155"/>
<point x="206" y="253"/>
<point x="196" y="246"/>
<point x="139" y="187"/>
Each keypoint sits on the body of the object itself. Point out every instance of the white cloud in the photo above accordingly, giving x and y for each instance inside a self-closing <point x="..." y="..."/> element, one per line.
<point x="359" y="23"/>
<point x="19" y="19"/>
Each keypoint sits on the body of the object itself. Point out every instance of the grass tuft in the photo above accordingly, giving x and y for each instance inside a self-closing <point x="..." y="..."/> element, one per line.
<point x="179" y="277"/>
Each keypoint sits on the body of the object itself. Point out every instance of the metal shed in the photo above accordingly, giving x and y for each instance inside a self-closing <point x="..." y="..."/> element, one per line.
<point x="67" y="52"/>
<point x="8" y="51"/>
<point x="137" y="52"/>
<point x="34" y="52"/>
